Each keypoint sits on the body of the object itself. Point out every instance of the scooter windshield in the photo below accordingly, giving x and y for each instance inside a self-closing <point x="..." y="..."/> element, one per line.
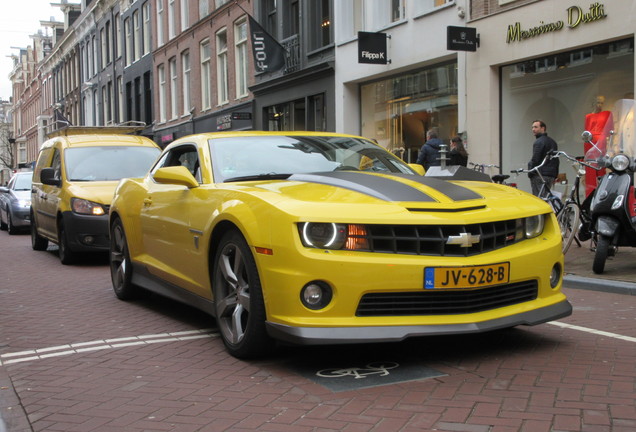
<point x="620" y="129"/>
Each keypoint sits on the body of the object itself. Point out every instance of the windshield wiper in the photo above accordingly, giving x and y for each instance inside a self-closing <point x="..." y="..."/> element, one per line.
<point x="270" y="176"/>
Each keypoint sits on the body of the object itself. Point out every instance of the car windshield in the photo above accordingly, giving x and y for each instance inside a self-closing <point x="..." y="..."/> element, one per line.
<point x="265" y="157"/>
<point x="108" y="163"/>
<point x="22" y="182"/>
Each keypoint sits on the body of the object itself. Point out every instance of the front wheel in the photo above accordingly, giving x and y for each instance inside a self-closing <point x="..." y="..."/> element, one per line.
<point x="67" y="256"/>
<point x="120" y="265"/>
<point x="600" y="256"/>
<point x="238" y="298"/>
<point x="569" y="222"/>
<point x="38" y="243"/>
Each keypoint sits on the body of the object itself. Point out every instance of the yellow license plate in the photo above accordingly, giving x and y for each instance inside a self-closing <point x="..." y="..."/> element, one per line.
<point x="466" y="277"/>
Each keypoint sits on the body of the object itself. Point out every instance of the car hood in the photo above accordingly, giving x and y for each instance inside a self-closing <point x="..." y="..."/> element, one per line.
<point x="24" y="195"/>
<point x="395" y="193"/>
<point x="99" y="191"/>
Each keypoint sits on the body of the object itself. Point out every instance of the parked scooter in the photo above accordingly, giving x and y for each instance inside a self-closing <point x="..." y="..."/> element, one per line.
<point x="613" y="206"/>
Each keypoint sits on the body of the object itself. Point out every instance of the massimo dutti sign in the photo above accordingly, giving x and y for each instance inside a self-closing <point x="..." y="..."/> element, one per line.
<point x="574" y="17"/>
<point x="372" y="48"/>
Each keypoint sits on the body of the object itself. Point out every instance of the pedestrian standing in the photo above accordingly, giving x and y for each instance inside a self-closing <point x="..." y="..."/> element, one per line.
<point x="429" y="153"/>
<point x="542" y="145"/>
<point x="458" y="153"/>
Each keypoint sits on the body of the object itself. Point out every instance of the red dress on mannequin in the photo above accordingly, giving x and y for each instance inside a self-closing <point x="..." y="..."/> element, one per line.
<point x="599" y="124"/>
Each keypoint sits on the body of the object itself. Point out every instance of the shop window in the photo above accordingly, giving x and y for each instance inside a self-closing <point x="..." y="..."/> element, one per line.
<point x="398" y="111"/>
<point x="560" y="89"/>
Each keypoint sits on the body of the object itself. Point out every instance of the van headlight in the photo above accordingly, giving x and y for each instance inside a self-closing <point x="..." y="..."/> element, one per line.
<point x="86" y="207"/>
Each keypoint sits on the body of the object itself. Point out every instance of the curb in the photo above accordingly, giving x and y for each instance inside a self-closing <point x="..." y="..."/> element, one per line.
<point x="604" y="285"/>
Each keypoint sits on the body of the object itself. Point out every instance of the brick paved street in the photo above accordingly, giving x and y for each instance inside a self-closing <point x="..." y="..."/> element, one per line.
<point x="74" y="358"/>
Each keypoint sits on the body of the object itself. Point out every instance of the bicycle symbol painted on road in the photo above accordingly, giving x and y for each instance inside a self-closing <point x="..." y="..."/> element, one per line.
<point x="375" y="368"/>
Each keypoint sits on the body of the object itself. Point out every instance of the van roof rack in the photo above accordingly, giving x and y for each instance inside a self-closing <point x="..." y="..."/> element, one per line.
<point x="121" y="129"/>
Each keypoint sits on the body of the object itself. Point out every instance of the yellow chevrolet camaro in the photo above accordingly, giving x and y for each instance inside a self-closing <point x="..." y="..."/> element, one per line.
<point x="320" y="238"/>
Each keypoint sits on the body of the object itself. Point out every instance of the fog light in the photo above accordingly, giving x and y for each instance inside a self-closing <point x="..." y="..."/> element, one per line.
<point x="89" y="240"/>
<point x="316" y="295"/>
<point x="555" y="275"/>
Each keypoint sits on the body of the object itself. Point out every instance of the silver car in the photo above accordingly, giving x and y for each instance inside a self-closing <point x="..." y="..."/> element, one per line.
<point x="15" y="203"/>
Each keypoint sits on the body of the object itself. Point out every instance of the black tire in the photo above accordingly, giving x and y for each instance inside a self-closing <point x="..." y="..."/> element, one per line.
<point x="238" y="298"/>
<point x="600" y="256"/>
<point x="38" y="242"/>
<point x="120" y="265"/>
<point x="3" y="225"/>
<point x="569" y="222"/>
<point x="10" y="227"/>
<point x="67" y="256"/>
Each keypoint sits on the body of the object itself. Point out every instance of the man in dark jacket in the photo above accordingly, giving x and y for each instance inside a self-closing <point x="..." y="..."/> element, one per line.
<point x="429" y="153"/>
<point x="543" y="144"/>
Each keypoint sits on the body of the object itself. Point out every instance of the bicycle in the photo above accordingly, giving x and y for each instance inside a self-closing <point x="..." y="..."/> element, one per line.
<point x="496" y="178"/>
<point x="574" y="214"/>
<point x="545" y="193"/>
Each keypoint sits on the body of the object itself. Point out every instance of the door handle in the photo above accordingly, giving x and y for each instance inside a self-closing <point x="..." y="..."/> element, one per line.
<point x="147" y="202"/>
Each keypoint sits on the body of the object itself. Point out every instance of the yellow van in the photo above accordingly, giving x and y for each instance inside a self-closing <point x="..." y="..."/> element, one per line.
<point x="74" y="181"/>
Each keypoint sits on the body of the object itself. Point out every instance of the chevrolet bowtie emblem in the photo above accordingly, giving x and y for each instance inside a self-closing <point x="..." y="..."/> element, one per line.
<point x="463" y="240"/>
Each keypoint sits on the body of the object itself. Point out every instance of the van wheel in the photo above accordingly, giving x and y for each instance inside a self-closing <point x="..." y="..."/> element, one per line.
<point x="67" y="256"/>
<point x="38" y="242"/>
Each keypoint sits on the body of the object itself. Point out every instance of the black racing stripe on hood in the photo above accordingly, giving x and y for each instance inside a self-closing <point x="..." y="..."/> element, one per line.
<point x="451" y="190"/>
<point x="376" y="186"/>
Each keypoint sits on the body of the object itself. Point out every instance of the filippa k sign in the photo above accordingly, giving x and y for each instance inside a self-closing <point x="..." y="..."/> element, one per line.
<point x="372" y="48"/>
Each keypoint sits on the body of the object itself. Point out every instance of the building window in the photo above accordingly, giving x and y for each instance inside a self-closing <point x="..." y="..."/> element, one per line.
<point x="185" y="14"/>
<point x="206" y="76"/>
<point x="240" y="48"/>
<point x="426" y="6"/>
<point x="291" y="22"/>
<point x="185" y="66"/>
<point x="320" y="28"/>
<point x="173" y="87"/>
<point x="287" y="117"/>
<point x="269" y="12"/>
<point x="120" y="97"/>
<point x="95" y="57"/>
<point x="350" y="19"/>
<point x="172" y="19"/>
<point x="117" y="49"/>
<point x="22" y="153"/>
<point x="129" y="41"/>
<point x="146" y="17"/>
<point x="137" y="36"/>
<point x="219" y="3"/>
<point x="221" y="67"/>
<point x="385" y="12"/>
<point x="159" y="23"/>
<point x="102" y="37"/>
<point x="204" y="8"/>
<point x="161" y="74"/>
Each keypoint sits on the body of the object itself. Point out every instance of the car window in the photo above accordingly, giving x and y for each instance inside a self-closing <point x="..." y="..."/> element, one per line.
<point x="21" y="182"/>
<point x="185" y="155"/>
<point x="108" y="163"/>
<point x="56" y="164"/>
<point x="238" y="157"/>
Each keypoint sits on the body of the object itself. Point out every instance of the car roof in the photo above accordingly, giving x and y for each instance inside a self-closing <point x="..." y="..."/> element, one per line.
<point x="95" y="140"/>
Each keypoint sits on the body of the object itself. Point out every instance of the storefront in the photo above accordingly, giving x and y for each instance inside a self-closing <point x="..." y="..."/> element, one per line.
<point x="398" y="111"/>
<point x="564" y="64"/>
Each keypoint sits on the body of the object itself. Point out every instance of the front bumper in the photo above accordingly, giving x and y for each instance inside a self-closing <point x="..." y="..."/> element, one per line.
<point x="20" y="217"/>
<point x="346" y="335"/>
<point x="86" y="233"/>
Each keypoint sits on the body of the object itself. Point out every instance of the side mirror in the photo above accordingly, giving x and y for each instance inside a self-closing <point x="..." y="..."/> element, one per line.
<point x="586" y="136"/>
<point x="3" y="189"/>
<point x="417" y="168"/>
<point x="177" y="175"/>
<point x="47" y="176"/>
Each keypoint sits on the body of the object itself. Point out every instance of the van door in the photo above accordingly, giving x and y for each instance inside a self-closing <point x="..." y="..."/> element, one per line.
<point x="45" y="199"/>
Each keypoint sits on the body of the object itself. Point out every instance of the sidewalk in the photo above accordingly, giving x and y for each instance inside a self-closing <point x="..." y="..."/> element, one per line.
<point x="619" y="276"/>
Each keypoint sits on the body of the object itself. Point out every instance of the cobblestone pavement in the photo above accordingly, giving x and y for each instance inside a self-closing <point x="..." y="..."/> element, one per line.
<point x="74" y="358"/>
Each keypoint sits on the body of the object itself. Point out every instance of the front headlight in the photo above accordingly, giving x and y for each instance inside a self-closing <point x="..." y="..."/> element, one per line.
<point x="86" y="207"/>
<point x="24" y="203"/>
<point x="620" y="162"/>
<point x="534" y="226"/>
<point x="330" y="235"/>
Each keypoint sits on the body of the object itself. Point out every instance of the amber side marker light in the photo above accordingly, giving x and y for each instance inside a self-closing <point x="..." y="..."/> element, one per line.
<point x="264" y="251"/>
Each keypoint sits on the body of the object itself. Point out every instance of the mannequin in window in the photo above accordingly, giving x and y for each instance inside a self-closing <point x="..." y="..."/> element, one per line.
<point x="599" y="122"/>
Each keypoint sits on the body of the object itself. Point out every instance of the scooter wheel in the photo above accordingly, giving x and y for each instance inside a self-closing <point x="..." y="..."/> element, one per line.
<point x="600" y="256"/>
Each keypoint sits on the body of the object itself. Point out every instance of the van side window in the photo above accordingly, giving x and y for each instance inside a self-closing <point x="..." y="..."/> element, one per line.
<point x="56" y="164"/>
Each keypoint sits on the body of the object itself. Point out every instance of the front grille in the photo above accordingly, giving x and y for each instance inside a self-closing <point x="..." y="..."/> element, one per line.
<point x="436" y="302"/>
<point x="432" y="240"/>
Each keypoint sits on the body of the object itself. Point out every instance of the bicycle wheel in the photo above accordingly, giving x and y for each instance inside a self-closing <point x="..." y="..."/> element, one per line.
<point x="569" y="222"/>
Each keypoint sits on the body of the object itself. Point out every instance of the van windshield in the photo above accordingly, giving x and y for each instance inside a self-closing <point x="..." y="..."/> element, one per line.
<point x="108" y="163"/>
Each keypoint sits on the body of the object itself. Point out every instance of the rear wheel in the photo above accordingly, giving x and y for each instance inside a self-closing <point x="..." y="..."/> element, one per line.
<point x="38" y="242"/>
<point x="120" y="265"/>
<point x="238" y="298"/>
<point x="67" y="256"/>
<point x="569" y="221"/>
<point x="600" y="256"/>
